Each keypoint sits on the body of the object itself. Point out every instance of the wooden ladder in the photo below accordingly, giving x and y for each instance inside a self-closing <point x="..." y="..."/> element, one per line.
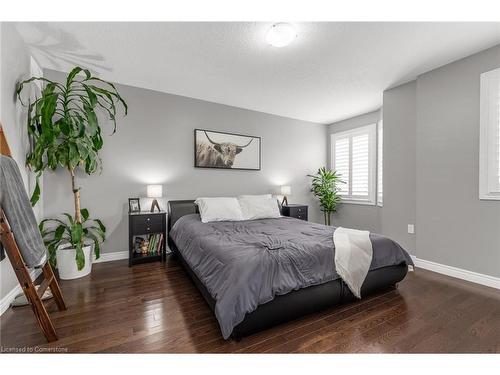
<point x="33" y="295"/>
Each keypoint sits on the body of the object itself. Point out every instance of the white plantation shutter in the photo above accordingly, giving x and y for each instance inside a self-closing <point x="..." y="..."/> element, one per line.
<point x="341" y="158"/>
<point x="380" y="164"/>
<point x="360" y="165"/>
<point x="489" y="168"/>
<point x="353" y="157"/>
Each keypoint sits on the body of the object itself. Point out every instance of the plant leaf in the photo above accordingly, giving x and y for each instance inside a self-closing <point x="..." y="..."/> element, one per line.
<point x="83" y="150"/>
<point x="92" y="96"/>
<point x="48" y="109"/>
<point x="95" y="231"/>
<point x="91" y="117"/>
<point x="59" y="233"/>
<point x="80" y="257"/>
<point x="20" y="85"/>
<point x="101" y="225"/>
<point x="36" y="192"/>
<point x="52" y="248"/>
<point x="76" y="233"/>
<point x="72" y="75"/>
<point x="97" y="141"/>
<point x="70" y="218"/>
<point x="85" y="214"/>
<point x="97" y="248"/>
<point x="74" y="156"/>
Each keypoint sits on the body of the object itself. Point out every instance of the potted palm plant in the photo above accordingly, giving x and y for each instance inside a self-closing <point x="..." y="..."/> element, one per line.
<point x="325" y="187"/>
<point x="65" y="130"/>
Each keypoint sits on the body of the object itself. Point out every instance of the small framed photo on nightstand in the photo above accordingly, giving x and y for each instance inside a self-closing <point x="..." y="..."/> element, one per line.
<point x="134" y="205"/>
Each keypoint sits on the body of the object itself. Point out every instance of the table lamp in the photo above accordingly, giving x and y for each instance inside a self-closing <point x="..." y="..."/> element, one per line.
<point x="155" y="191"/>
<point x="285" y="190"/>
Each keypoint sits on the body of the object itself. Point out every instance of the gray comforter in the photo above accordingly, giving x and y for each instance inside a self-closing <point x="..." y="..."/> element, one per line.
<point x="244" y="264"/>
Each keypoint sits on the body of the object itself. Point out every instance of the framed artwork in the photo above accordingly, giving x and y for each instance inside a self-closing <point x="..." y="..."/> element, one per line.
<point x="134" y="205"/>
<point x="214" y="149"/>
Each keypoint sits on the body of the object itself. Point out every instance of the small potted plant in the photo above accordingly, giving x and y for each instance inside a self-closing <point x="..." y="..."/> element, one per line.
<point x="65" y="130"/>
<point x="325" y="187"/>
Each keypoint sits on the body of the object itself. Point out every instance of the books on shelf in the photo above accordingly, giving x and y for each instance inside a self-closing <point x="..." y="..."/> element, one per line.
<point x="152" y="245"/>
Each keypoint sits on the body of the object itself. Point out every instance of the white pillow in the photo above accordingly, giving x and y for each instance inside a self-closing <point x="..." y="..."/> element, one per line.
<point x="255" y="196"/>
<point x="254" y="208"/>
<point x="219" y="209"/>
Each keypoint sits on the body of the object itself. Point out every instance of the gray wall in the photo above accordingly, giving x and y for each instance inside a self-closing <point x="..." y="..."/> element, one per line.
<point x="350" y="215"/>
<point x="154" y="144"/>
<point x="399" y="118"/>
<point x="454" y="227"/>
<point x="15" y="66"/>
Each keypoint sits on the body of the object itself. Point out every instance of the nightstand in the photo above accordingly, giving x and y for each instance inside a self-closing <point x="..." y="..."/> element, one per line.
<point x="298" y="211"/>
<point x="150" y="227"/>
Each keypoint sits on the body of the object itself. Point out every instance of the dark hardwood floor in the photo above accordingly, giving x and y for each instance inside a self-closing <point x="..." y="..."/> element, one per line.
<point x="155" y="308"/>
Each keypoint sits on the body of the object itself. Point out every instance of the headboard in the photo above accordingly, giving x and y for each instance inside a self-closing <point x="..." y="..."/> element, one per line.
<point x="177" y="209"/>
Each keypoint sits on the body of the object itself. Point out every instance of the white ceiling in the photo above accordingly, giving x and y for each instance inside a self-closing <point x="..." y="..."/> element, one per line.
<point x="332" y="71"/>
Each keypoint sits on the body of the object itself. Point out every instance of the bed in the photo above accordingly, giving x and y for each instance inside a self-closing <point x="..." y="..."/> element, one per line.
<point x="259" y="273"/>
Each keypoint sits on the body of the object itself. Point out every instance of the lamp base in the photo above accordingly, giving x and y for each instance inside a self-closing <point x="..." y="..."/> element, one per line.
<point x="155" y="204"/>
<point x="284" y="201"/>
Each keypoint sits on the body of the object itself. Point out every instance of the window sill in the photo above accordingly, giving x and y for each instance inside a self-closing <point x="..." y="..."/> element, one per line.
<point x="489" y="197"/>
<point x="359" y="201"/>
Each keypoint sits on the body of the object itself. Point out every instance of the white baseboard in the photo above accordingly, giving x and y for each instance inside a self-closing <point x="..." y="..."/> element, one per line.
<point x="9" y="297"/>
<point x="459" y="273"/>
<point x="109" y="257"/>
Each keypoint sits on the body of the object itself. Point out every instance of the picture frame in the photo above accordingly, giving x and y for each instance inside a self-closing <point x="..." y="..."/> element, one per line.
<point x="134" y="205"/>
<point x="223" y="150"/>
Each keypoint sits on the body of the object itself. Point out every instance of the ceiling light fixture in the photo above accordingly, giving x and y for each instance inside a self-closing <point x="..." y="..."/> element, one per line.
<point x="281" y="35"/>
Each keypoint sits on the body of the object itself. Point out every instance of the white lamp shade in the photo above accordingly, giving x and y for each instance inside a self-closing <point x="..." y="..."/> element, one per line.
<point x="155" y="191"/>
<point x="286" y="190"/>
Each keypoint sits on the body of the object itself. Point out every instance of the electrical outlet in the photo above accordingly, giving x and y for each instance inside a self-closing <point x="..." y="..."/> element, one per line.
<point x="411" y="228"/>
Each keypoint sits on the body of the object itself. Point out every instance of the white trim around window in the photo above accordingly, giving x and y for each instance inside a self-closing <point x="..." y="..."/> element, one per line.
<point x="380" y="164"/>
<point x="353" y="156"/>
<point x="489" y="136"/>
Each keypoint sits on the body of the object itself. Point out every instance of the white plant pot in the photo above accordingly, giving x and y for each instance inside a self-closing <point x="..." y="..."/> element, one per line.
<point x="66" y="263"/>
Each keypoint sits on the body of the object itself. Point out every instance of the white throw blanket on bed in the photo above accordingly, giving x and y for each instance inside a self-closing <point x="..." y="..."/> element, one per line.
<point x="353" y="256"/>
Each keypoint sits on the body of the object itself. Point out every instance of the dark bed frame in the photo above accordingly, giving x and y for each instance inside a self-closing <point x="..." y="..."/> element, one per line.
<point x="292" y="305"/>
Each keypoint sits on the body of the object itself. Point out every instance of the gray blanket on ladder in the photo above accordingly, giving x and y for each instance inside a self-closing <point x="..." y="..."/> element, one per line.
<point x="17" y="208"/>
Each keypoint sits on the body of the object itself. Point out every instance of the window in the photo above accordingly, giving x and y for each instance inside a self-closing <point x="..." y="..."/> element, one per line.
<point x="489" y="146"/>
<point x="380" y="164"/>
<point x="354" y="157"/>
